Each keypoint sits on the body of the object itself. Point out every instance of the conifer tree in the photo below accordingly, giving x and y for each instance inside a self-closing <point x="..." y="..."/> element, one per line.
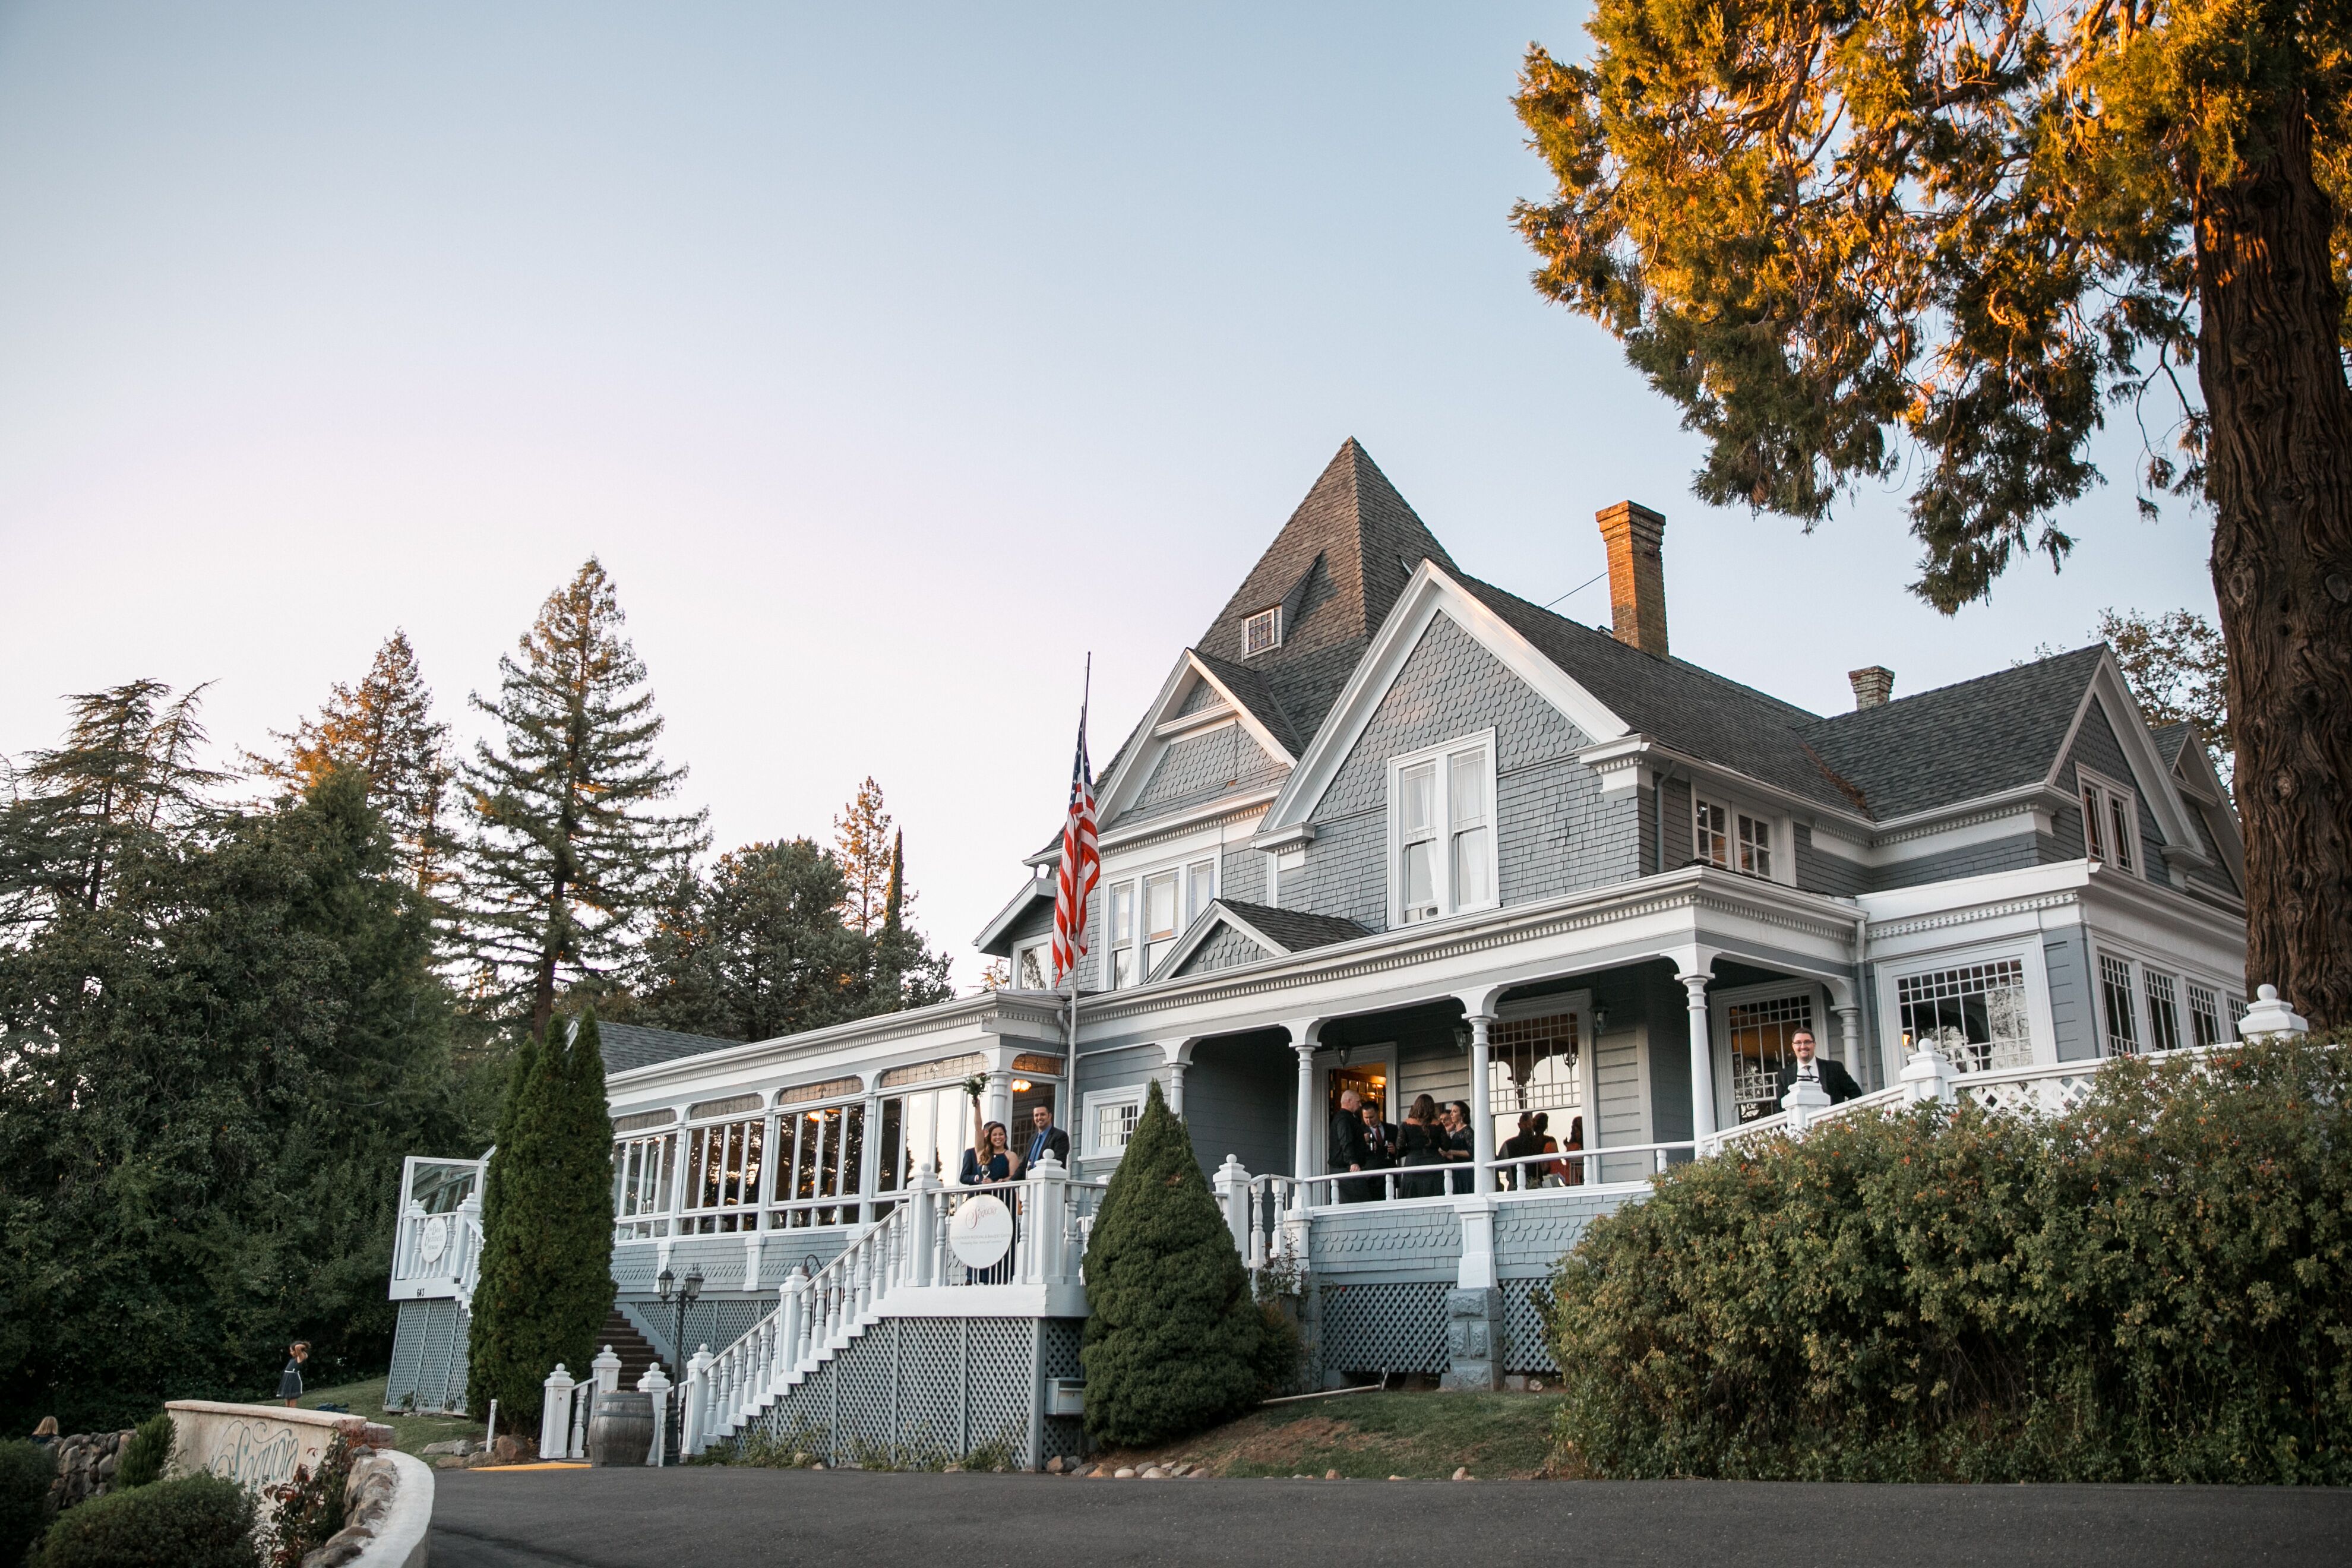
<point x="570" y="855"/>
<point x="383" y="728"/>
<point x="1172" y="1335"/>
<point x="757" y="949"/>
<point x="862" y="835"/>
<point x="546" y="1276"/>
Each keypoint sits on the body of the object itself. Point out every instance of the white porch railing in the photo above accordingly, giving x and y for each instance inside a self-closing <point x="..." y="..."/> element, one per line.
<point x="901" y="1262"/>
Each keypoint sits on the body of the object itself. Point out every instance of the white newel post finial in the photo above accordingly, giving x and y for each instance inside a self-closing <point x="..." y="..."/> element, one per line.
<point x="607" y="1370"/>
<point x="555" y="1415"/>
<point x="656" y="1382"/>
<point x="1232" y="1184"/>
<point x="2269" y="1017"/>
<point x="698" y="1396"/>
<point x="1049" y="1198"/>
<point x="1805" y="1100"/>
<point x="1928" y="1075"/>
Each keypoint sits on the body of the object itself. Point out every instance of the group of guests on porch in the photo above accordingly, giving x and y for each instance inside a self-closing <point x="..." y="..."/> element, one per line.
<point x="1433" y="1153"/>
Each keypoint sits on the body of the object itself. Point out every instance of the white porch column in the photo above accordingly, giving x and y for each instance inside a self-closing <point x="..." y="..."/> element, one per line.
<point x="1702" y="1055"/>
<point x="1303" y="1040"/>
<point x="1482" y="1115"/>
<point x="1178" y="1056"/>
<point x="1000" y="1098"/>
<point x="1849" y="1014"/>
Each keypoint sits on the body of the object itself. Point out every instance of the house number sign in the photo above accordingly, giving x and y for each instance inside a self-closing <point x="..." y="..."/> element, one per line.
<point x="980" y="1232"/>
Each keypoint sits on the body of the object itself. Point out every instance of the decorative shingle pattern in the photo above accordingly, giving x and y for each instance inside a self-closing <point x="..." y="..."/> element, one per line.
<point x="1199" y="768"/>
<point x="1228" y="949"/>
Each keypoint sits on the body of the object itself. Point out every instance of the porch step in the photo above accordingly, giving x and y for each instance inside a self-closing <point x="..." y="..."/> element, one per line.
<point x="636" y="1352"/>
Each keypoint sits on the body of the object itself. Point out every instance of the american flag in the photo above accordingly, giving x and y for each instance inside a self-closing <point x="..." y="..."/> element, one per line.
<point x="1081" y="864"/>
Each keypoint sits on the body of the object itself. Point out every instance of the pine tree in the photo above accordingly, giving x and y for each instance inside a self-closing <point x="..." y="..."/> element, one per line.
<point x="385" y="728"/>
<point x="862" y="835"/>
<point x="1173" y="1337"/>
<point x="124" y="778"/>
<point x="757" y="949"/>
<point x="569" y="859"/>
<point x="546" y="1277"/>
<point x="902" y="969"/>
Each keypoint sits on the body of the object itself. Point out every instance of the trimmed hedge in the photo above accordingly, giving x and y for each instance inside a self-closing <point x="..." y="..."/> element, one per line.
<point x="149" y="1453"/>
<point x="196" y="1522"/>
<point x="2156" y="1288"/>
<point x="25" y="1471"/>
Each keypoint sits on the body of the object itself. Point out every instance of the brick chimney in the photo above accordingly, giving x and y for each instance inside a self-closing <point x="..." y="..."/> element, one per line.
<point x="1873" y="685"/>
<point x="1637" y="574"/>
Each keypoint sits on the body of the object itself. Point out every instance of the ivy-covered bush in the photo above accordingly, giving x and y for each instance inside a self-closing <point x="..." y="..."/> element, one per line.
<point x="148" y="1452"/>
<point x="26" y="1472"/>
<point x="2156" y="1288"/>
<point x="195" y="1522"/>
<point x="1174" y="1335"/>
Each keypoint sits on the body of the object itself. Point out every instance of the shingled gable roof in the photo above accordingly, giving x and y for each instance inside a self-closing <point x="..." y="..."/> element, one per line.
<point x="1280" y="932"/>
<point x="626" y="1046"/>
<point x="1999" y="731"/>
<point x="1369" y="541"/>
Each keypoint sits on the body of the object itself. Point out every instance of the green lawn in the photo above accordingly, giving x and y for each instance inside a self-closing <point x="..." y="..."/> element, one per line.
<point x="1373" y="1436"/>
<point x="411" y="1432"/>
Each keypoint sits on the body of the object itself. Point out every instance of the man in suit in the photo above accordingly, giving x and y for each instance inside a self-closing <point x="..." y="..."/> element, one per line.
<point x="1045" y="1137"/>
<point x="1832" y="1075"/>
<point x="1348" y="1151"/>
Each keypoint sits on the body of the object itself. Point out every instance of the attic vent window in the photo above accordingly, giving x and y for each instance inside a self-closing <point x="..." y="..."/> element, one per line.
<point x="1262" y="632"/>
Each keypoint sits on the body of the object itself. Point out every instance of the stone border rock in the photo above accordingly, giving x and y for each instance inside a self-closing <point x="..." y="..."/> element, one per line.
<point x="387" y="1513"/>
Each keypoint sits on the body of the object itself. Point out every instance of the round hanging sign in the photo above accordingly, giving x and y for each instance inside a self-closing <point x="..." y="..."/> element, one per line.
<point x="981" y="1233"/>
<point x="436" y="1238"/>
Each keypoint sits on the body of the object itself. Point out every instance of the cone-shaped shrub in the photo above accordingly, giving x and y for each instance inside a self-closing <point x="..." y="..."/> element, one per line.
<point x="546" y="1228"/>
<point x="1172" y="1339"/>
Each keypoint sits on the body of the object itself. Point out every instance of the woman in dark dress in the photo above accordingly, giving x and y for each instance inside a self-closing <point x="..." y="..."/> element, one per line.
<point x="290" y="1381"/>
<point x="1457" y="1149"/>
<point x="1420" y="1142"/>
<point x="996" y="1166"/>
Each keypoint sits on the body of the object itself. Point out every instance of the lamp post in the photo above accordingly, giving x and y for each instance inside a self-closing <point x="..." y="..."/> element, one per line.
<point x="685" y="1292"/>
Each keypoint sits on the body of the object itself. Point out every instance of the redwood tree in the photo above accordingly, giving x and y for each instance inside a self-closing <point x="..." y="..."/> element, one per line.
<point x="1945" y="237"/>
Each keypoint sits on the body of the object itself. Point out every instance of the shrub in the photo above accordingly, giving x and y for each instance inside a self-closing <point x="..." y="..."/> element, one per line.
<point x="309" y="1507"/>
<point x="2158" y="1287"/>
<point x="25" y="1471"/>
<point x="195" y="1522"/>
<point x="148" y="1452"/>
<point x="1173" y="1338"/>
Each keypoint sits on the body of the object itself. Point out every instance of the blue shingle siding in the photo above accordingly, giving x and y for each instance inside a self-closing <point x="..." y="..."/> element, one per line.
<point x="1037" y="921"/>
<point x="1364" y="1242"/>
<point x="1242" y="874"/>
<point x="1968" y="861"/>
<point x="1678" y="839"/>
<point x="1237" y="1101"/>
<point x="1225" y="950"/>
<point x="1821" y="872"/>
<point x="2096" y="748"/>
<point x="2070" y="997"/>
<point x="1202" y="695"/>
<point x="1554" y="834"/>
<point x="1532" y="1234"/>
<point x="1199" y="768"/>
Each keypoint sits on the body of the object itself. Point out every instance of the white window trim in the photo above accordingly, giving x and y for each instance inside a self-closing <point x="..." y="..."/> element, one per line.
<point x="1099" y="1100"/>
<point x="1780" y="836"/>
<point x="1139" y="946"/>
<point x="1247" y="621"/>
<point x="1045" y="951"/>
<point x="2137" y="960"/>
<point x="2110" y="791"/>
<point x="1447" y="906"/>
<point x="2040" y="1019"/>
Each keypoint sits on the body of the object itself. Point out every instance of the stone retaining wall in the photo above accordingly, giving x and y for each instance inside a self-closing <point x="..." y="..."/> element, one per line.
<point x="86" y="1463"/>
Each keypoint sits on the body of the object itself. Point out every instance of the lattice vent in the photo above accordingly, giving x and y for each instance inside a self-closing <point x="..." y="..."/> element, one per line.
<point x="1384" y="1328"/>
<point x="1002" y="1371"/>
<point x="1524" y="1348"/>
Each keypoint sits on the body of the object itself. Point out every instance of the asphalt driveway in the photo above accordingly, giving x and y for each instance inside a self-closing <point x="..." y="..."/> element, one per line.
<point x="723" y="1517"/>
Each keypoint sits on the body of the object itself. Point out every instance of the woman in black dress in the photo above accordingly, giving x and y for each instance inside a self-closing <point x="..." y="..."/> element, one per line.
<point x="1456" y="1147"/>
<point x="290" y="1381"/>
<point x="1420" y="1142"/>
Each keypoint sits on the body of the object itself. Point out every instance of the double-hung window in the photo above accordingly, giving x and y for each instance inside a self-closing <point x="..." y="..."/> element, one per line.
<point x="2110" y="822"/>
<point x="1159" y="923"/>
<point x="1726" y="836"/>
<point x="1200" y="887"/>
<point x="1146" y="915"/>
<point x="1122" y="898"/>
<point x="1442" y="830"/>
<point x="2115" y="994"/>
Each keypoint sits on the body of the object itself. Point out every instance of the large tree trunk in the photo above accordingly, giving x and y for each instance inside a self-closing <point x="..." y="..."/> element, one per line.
<point x="2280" y="478"/>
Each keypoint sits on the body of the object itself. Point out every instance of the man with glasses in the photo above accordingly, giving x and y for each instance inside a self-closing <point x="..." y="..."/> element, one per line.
<point x="1809" y="1067"/>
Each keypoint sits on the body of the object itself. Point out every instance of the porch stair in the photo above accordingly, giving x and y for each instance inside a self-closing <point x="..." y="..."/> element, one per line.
<point x="636" y="1352"/>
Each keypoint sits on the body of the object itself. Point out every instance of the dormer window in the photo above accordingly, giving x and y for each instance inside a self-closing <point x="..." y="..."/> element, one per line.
<point x="2110" y="822"/>
<point x="1261" y="633"/>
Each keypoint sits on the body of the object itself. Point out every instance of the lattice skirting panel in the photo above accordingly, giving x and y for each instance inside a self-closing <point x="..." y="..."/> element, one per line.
<point x="1398" y="1327"/>
<point x="1524" y="1348"/>
<point x="936" y="1388"/>
<point x="428" y="1357"/>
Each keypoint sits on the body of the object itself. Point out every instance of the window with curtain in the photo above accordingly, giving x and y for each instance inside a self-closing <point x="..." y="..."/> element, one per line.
<point x="1441" y="828"/>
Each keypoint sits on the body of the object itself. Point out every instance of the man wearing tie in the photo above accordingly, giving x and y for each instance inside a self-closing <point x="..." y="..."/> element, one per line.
<point x="1832" y="1075"/>
<point x="1044" y="1136"/>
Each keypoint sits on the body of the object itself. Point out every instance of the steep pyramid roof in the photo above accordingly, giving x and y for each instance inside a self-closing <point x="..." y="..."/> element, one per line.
<point x="1336" y="567"/>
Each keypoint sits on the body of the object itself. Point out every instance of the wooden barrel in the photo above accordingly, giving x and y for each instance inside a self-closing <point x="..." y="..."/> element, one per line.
<point x="621" y="1428"/>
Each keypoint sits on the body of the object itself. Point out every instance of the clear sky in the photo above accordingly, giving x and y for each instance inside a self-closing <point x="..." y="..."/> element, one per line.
<point x="891" y="359"/>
